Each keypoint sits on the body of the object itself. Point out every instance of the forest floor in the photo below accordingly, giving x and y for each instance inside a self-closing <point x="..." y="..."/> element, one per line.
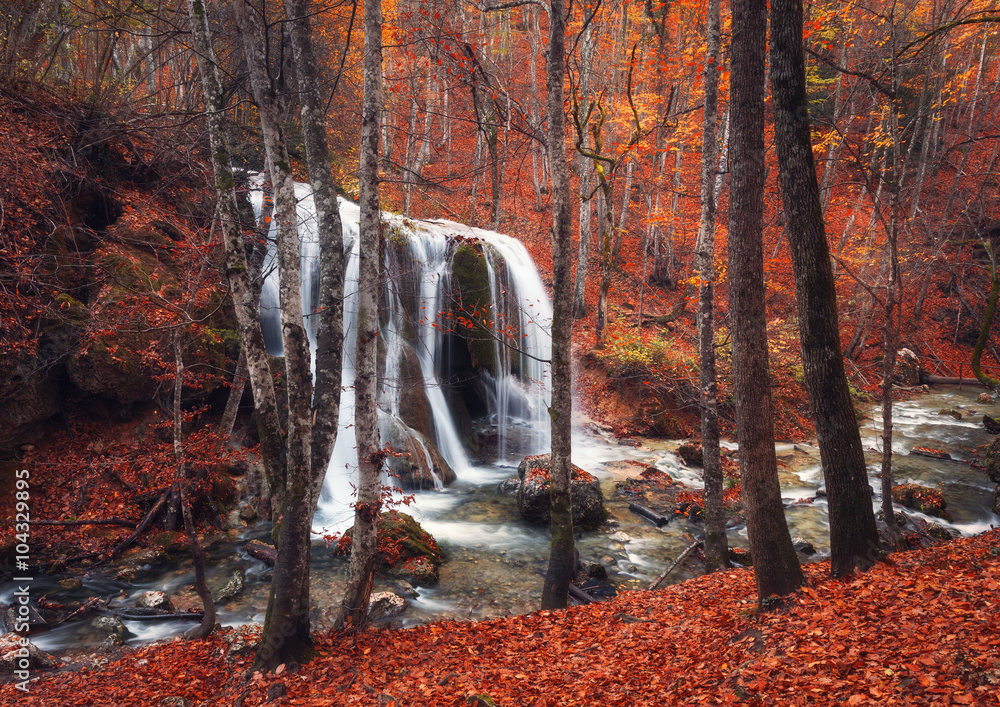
<point x="920" y="628"/>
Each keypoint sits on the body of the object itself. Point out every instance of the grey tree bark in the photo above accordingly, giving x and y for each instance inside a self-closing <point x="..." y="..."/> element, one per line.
<point x="354" y="607"/>
<point x="286" y="626"/>
<point x="197" y="554"/>
<point x="561" y="560"/>
<point x="716" y="545"/>
<point x="776" y="567"/>
<point x="853" y="535"/>
<point x="237" y="270"/>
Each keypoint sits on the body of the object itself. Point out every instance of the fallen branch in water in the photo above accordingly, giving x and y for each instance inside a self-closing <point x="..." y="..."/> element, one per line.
<point x="683" y="556"/>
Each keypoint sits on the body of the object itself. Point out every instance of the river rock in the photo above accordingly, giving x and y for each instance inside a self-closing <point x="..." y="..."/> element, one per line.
<point x="907" y="369"/>
<point x="233" y="588"/>
<point x="385" y="605"/>
<point x="921" y="498"/>
<point x="993" y="461"/>
<point x="984" y="399"/>
<point x="741" y="556"/>
<point x="803" y="546"/>
<point x="15" y="650"/>
<point x="939" y="532"/>
<point x="691" y="454"/>
<point x="533" y="496"/>
<point x="110" y="644"/>
<point x="509" y="486"/>
<point x="111" y="626"/>
<point x="154" y="600"/>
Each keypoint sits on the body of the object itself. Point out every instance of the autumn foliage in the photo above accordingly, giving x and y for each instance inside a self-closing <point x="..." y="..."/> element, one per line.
<point x="922" y="629"/>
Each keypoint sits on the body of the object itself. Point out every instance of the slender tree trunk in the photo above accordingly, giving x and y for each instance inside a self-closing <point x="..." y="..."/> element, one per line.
<point x="561" y="560"/>
<point x="197" y="555"/>
<point x="330" y="310"/>
<point x="286" y="634"/>
<point x="716" y="546"/>
<point x="228" y="420"/>
<point x="354" y="607"/>
<point x="584" y="169"/>
<point x="853" y="535"/>
<point x="237" y="271"/>
<point x="776" y="567"/>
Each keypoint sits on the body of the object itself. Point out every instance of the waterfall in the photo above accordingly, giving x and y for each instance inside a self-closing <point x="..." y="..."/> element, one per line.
<point x="463" y="371"/>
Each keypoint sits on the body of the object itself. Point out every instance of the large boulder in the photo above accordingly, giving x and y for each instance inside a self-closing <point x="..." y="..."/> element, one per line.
<point x="533" y="495"/>
<point x="385" y="605"/>
<point x="907" y="369"/>
<point x="415" y="460"/>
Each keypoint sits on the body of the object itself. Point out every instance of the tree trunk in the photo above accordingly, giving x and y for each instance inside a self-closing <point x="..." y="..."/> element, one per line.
<point x="237" y="271"/>
<point x="561" y="560"/>
<point x="197" y="555"/>
<point x="853" y="535"/>
<point x="987" y="324"/>
<point x="354" y="607"/>
<point x="776" y="567"/>
<point x="716" y="546"/>
<point x="584" y="169"/>
<point x="285" y="636"/>
<point x="330" y="310"/>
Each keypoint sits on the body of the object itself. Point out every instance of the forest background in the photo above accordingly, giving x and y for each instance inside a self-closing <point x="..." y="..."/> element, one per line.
<point x="103" y="111"/>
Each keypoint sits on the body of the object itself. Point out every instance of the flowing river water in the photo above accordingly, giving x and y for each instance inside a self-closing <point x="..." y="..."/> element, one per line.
<point x="495" y="562"/>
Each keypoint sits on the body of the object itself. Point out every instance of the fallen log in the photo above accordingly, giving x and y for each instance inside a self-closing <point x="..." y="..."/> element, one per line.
<point x="683" y="556"/>
<point x="658" y="520"/>
<point x="579" y="594"/>
<point x="949" y="380"/>
<point x="155" y="615"/>
<point x="94" y="521"/>
<point x="139" y="529"/>
<point x="262" y="551"/>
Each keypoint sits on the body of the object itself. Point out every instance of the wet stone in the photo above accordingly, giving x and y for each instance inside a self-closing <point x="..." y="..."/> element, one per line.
<point x="154" y="600"/>
<point x="233" y="588"/>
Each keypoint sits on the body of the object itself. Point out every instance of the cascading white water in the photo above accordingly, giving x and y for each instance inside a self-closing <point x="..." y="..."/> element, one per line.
<point x="416" y="297"/>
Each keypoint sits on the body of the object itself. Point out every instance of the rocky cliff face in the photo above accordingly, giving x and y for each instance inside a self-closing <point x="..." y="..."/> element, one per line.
<point x="102" y="249"/>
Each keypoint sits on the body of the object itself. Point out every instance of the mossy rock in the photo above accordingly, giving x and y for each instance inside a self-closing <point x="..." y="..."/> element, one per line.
<point x="921" y="498"/>
<point x="405" y="549"/>
<point x="30" y="398"/>
<point x="993" y="461"/>
<point x="534" y="494"/>
<point x="740" y="555"/>
<point x="471" y="302"/>
<point x="170" y="541"/>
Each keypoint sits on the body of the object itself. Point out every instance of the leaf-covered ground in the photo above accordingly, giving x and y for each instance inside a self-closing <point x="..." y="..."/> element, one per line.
<point x="921" y="629"/>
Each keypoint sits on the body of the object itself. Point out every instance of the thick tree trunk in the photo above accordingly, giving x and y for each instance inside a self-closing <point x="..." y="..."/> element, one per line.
<point x="561" y="560"/>
<point x="716" y="545"/>
<point x="354" y="607"/>
<point x="776" y="567"/>
<point x="237" y="271"/>
<point x="853" y="535"/>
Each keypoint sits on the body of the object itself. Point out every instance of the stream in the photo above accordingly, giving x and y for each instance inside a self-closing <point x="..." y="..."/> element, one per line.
<point x="495" y="562"/>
